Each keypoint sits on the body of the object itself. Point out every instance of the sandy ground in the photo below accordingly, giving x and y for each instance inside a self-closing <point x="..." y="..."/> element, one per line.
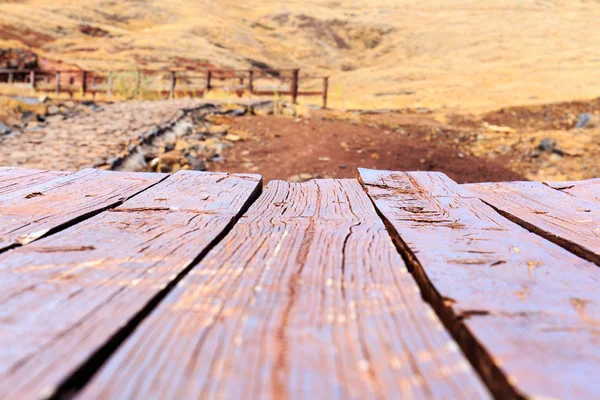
<point x="460" y="55"/>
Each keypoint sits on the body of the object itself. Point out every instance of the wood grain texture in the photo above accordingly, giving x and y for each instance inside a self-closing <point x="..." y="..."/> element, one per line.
<point x="32" y="212"/>
<point x="569" y="221"/>
<point x="586" y="190"/>
<point x="67" y="299"/>
<point x="524" y="310"/>
<point x="305" y="298"/>
<point x="13" y="179"/>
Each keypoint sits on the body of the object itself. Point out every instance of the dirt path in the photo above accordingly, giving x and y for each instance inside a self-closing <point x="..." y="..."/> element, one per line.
<point x="283" y="148"/>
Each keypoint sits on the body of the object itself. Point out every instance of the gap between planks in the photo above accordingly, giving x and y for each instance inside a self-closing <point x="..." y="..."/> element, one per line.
<point x="523" y="309"/>
<point x="42" y="207"/>
<point x="52" y="372"/>
<point x="306" y="297"/>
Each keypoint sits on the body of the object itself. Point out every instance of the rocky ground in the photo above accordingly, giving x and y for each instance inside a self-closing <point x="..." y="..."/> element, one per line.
<point x="296" y="144"/>
<point x="70" y="136"/>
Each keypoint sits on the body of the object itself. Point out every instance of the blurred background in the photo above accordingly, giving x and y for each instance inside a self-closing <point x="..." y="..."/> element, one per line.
<point x="480" y="89"/>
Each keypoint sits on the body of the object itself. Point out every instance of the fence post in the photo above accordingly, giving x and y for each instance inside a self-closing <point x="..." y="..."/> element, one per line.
<point x="208" y="79"/>
<point x="251" y="81"/>
<point x="138" y="84"/>
<point x="32" y="79"/>
<point x="173" y="83"/>
<point x="83" y="82"/>
<point x="57" y="84"/>
<point x="110" y="81"/>
<point x="325" y="89"/>
<point x="10" y="78"/>
<point x="295" y="74"/>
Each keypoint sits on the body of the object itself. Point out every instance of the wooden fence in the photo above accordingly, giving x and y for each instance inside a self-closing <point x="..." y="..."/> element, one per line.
<point x="170" y="84"/>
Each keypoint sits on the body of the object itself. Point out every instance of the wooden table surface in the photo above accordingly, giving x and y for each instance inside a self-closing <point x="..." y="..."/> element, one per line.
<point x="393" y="285"/>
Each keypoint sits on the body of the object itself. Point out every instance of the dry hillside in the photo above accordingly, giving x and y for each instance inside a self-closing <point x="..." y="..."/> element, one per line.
<point x="462" y="54"/>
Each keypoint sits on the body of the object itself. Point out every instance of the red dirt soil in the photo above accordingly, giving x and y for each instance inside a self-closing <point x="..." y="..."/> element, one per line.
<point x="280" y="147"/>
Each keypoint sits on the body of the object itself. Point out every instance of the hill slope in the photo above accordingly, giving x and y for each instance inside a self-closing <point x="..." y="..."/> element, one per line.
<point x="467" y="54"/>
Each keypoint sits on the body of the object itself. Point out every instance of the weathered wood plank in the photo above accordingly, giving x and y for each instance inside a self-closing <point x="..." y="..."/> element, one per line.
<point x="35" y="211"/>
<point x="523" y="309"/>
<point x="570" y="222"/>
<point x="305" y="298"/>
<point x="586" y="190"/>
<point x="13" y="179"/>
<point x="68" y="299"/>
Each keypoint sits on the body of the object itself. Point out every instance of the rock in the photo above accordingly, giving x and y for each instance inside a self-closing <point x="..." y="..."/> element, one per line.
<point x="4" y="130"/>
<point x="555" y="157"/>
<point x="288" y="112"/>
<point x="546" y="144"/>
<point x="294" y="179"/>
<point x="588" y="121"/>
<point x="499" y="129"/>
<point x="69" y="104"/>
<point x="53" y="110"/>
<point x="154" y="163"/>
<point x="265" y="108"/>
<point x="461" y="155"/>
<point x="324" y="159"/>
<point x="232" y="137"/>
<point x="43" y="99"/>
<point x="196" y="164"/>
<point x="98" y="161"/>
<point x="169" y="162"/>
<point x="303" y="177"/>
<point x="342" y="166"/>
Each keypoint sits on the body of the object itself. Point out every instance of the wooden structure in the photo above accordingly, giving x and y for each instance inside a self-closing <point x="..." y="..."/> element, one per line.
<point x="204" y="285"/>
<point x="170" y="84"/>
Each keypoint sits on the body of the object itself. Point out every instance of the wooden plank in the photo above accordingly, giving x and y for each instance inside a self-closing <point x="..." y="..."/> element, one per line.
<point x="305" y="298"/>
<point x="524" y="310"/>
<point x="13" y="179"/>
<point x="586" y="190"/>
<point x="67" y="300"/>
<point x="36" y="211"/>
<point x="568" y="221"/>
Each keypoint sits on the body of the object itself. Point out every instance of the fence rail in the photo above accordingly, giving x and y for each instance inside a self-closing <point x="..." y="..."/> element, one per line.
<point x="170" y="84"/>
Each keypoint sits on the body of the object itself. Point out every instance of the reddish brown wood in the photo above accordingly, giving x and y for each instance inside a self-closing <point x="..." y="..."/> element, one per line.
<point x="67" y="300"/>
<point x="13" y="179"/>
<point x="586" y="190"/>
<point x="524" y="310"/>
<point x="35" y="211"/>
<point x="571" y="222"/>
<point x="305" y="298"/>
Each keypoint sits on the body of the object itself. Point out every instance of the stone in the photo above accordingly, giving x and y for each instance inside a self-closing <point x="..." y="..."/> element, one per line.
<point x="233" y="137"/>
<point x="196" y="164"/>
<point x="303" y="177"/>
<point x="154" y="163"/>
<point x="53" y="110"/>
<point x="588" y="121"/>
<point x="4" y="130"/>
<point x="288" y="112"/>
<point x="546" y="144"/>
